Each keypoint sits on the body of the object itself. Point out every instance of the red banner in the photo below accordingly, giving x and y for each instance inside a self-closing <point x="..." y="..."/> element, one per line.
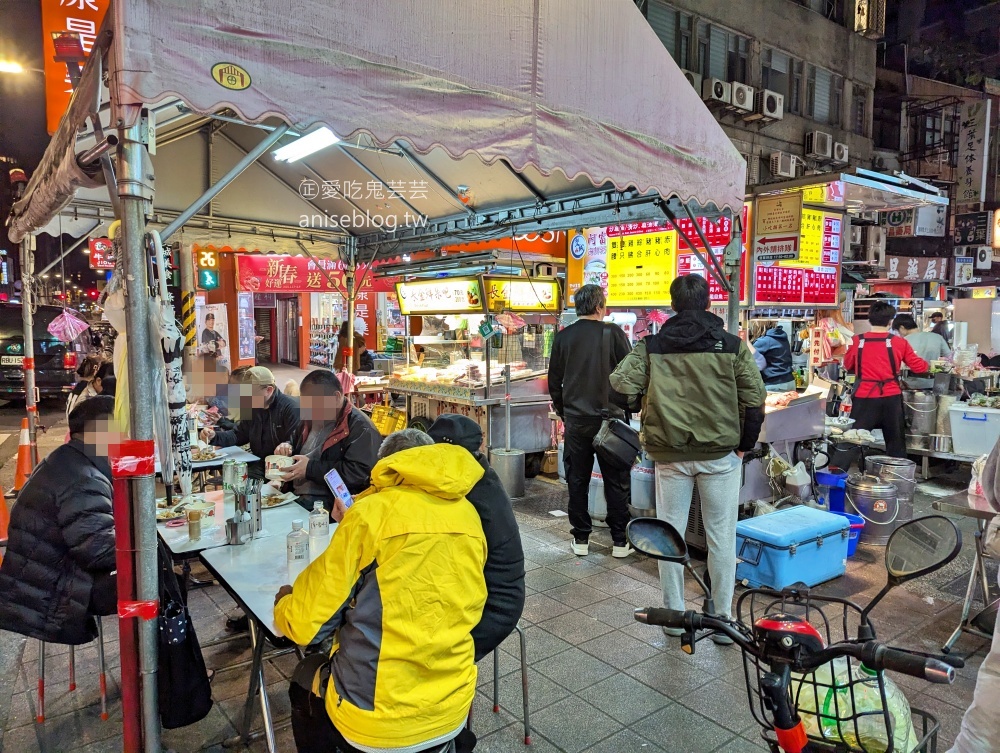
<point x="299" y="274"/>
<point x="102" y="254"/>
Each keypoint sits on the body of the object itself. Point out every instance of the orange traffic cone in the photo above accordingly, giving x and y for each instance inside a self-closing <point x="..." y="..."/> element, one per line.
<point x="24" y="464"/>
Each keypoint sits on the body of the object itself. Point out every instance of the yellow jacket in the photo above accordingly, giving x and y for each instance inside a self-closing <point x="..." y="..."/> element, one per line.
<point x="402" y="583"/>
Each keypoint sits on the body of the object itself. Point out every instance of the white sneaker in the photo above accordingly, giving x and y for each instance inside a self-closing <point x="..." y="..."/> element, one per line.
<point x="581" y="549"/>
<point x="622" y="551"/>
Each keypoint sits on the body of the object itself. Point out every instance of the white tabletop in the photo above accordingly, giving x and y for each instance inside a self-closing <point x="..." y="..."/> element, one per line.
<point x="222" y="454"/>
<point x="252" y="573"/>
<point x="276" y="521"/>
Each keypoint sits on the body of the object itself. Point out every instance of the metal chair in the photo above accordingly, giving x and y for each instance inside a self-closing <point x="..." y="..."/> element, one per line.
<point x="524" y="682"/>
<point x="40" y="716"/>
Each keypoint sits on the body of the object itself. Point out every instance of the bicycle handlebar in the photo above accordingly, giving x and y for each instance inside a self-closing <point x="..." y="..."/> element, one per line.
<point x="871" y="653"/>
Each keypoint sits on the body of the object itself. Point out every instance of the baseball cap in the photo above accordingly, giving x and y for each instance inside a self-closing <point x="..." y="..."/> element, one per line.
<point x="259" y="375"/>
<point x="451" y="428"/>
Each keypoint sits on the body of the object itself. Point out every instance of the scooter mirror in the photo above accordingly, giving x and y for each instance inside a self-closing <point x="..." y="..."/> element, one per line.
<point x="921" y="546"/>
<point x="657" y="539"/>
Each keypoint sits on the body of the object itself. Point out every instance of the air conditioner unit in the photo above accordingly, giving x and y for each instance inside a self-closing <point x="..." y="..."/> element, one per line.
<point x="840" y="153"/>
<point x="753" y="169"/>
<point x="742" y="97"/>
<point x="856" y="235"/>
<point x="875" y="245"/>
<point x="716" y="91"/>
<point x="767" y="106"/>
<point x="870" y="218"/>
<point x="693" y="78"/>
<point x="984" y="257"/>
<point x="819" y="145"/>
<point x="782" y="165"/>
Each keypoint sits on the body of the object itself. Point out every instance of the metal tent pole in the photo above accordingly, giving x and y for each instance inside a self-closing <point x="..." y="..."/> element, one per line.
<point x="28" y="317"/>
<point x="135" y="191"/>
<point x="350" y="270"/>
<point x="732" y="263"/>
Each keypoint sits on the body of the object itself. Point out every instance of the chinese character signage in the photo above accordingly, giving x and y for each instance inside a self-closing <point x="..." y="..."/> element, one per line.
<point x="519" y="294"/>
<point x="455" y="295"/>
<point x="964" y="270"/>
<point x="641" y="265"/>
<point x="102" y="254"/>
<point x="973" y="229"/>
<point x="259" y="273"/>
<point x="777" y="223"/>
<point x="82" y="17"/>
<point x="973" y="148"/>
<point x="990" y="292"/>
<point x="916" y="269"/>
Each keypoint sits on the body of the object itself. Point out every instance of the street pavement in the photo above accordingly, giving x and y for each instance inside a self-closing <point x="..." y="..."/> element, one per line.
<point x="598" y="681"/>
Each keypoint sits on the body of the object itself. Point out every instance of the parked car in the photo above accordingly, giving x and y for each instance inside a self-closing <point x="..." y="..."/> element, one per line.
<point x="55" y="361"/>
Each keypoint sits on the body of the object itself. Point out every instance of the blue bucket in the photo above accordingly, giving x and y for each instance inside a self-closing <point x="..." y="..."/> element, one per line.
<point x="830" y="487"/>
<point x="857" y="523"/>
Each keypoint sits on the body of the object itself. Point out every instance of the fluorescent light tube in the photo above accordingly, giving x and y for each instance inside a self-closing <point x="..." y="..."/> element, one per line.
<point x="321" y="138"/>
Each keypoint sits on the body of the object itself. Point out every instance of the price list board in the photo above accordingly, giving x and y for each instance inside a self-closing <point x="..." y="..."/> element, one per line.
<point x="818" y="286"/>
<point x="641" y="266"/>
<point x="819" y="243"/>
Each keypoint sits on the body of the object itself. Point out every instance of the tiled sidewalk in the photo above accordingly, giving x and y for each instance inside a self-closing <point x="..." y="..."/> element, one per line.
<point x="598" y="681"/>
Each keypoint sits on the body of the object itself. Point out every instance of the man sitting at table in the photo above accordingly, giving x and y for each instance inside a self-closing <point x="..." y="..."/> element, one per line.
<point x="58" y="572"/>
<point x="267" y="418"/>
<point x="334" y="436"/>
<point x="400" y="589"/>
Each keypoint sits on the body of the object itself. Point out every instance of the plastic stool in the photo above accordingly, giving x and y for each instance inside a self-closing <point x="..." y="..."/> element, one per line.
<point x="524" y="682"/>
<point x="40" y="716"/>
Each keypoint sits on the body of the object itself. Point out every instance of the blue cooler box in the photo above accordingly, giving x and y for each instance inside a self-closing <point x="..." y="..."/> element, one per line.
<point x="795" y="545"/>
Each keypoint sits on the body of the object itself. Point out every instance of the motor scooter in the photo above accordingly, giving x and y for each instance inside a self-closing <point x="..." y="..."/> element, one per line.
<point x="797" y="646"/>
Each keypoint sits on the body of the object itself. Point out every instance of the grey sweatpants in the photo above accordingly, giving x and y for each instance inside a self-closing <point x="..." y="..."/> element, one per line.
<point x="719" y="488"/>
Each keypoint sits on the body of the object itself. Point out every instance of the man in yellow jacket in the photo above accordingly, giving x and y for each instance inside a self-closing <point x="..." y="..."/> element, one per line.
<point x="400" y="588"/>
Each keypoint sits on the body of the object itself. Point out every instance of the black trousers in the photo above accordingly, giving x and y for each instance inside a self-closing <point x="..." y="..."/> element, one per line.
<point x="578" y="460"/>
<point x="314" y="732"/>
<point x="885" y="413"/>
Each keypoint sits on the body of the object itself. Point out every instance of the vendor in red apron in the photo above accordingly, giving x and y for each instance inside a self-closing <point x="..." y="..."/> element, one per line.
<point x="875" y="358"/>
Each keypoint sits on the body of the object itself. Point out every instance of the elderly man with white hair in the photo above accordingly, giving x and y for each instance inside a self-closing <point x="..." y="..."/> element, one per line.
<point x="399" y="590"/>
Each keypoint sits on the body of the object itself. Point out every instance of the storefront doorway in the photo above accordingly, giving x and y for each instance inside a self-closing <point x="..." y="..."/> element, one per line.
<point x="288" y="330"/>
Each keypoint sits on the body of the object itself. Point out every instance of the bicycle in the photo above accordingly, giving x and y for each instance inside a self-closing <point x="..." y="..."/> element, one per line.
<point x="795" y="671"/>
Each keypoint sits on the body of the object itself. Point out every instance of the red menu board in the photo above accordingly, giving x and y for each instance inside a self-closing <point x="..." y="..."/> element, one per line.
<point x="718" y="235"/>
<point x="814" y="279"/>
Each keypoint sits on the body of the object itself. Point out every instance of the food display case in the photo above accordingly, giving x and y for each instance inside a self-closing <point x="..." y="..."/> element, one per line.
<point x="473" y="330"/>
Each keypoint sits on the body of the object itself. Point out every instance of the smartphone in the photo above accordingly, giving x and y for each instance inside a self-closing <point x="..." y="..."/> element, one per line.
<point x="338" y="487"/>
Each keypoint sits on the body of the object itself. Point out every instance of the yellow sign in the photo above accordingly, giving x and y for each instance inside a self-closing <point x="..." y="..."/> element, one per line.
<point x="641" y="268"/>
<point x="457" y="295"/>
<point x="231" y="76"/>
<point x="816" y="225"/>
<point x="778" y="215"/>
<point x="505" y="294"/>
<point x="984" y="292"/>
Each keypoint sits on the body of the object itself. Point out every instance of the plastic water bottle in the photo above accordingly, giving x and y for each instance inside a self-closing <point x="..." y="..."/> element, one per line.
<point x="319" y="530"/>
<point x="837" y="711"/>
<point x="297" y="549"/>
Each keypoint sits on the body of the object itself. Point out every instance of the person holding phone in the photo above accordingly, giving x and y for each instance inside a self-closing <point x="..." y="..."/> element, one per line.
<point x="334" y="436"/>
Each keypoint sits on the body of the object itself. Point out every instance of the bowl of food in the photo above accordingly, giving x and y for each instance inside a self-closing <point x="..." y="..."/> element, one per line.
<point x="274" y="466"/>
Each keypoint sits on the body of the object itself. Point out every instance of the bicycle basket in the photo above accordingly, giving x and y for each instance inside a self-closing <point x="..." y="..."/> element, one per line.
<point x="844" y="708"/>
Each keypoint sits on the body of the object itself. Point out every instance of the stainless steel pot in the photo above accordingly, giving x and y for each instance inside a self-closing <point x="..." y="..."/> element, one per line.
<point x="940" y="443"/>
<point x="916" y="441"/>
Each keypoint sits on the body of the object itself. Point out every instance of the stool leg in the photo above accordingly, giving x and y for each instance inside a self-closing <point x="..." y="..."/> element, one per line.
<point x="40" y="713"/>
<point x="496" y="680"/>
<point x="524" y="683"/>
<point x="72" y="668"/>
<point x="103" y="675"/>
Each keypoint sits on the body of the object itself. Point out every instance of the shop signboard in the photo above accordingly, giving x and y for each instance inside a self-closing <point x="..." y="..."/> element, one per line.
<point x="245" y="325"/>
<point x="453" y="295"/>
<point x="641" y="264"/>
<point x="964" y="270"/>
<point x="996" y="233"/>
<point x="981" y="293"/>
<point x="777" y="223"/>
<point x="102" y="254"/>
<point x="973" y="229"/>
<point x="81" y="17"/>
<point x="973" y="151"/>
<point x="265" y="301"/>
<point x="260" y="273"/>
<point x="931" y="221"/>
<point x="916" y="269"/>
<point x="778" y="283"/>
<point x="521" y="295"/>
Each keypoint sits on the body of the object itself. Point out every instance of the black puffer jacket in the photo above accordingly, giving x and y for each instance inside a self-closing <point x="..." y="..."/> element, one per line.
<point x="61" y="534"/>
<point x="264" y="430"/>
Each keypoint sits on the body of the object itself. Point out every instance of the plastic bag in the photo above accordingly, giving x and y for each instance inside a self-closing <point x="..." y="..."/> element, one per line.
<point x="762" y="507"/>
<point x="67" y="326"/>
<point x="976" y="482"/>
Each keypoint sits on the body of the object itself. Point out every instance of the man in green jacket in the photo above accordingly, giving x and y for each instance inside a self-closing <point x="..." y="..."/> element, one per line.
<point x="702" y="409"/>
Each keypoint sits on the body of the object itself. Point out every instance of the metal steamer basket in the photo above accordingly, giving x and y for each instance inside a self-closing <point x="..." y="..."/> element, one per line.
<point x="825" y="702"/>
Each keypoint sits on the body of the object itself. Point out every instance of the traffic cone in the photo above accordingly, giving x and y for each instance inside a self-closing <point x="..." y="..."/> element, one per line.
<point x="24" y="464"/>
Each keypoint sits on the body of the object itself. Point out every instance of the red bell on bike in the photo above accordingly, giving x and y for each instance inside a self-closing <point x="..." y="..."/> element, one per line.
<point x="786" y="634"/>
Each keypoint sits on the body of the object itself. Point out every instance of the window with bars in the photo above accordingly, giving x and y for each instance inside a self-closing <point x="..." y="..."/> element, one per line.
<point x="824" y="95"/>
<point x="712" y="51"/>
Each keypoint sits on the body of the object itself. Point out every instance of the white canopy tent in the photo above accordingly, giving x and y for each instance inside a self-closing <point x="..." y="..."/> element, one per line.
<point x="554" y="115"/>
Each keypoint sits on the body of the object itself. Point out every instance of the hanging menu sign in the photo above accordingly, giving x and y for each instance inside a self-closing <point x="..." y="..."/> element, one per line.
<point x="818" y="286"/>
<point x="641" y="265"/>
<point x="455" y="295"/>
<point x="506" y="294"/>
